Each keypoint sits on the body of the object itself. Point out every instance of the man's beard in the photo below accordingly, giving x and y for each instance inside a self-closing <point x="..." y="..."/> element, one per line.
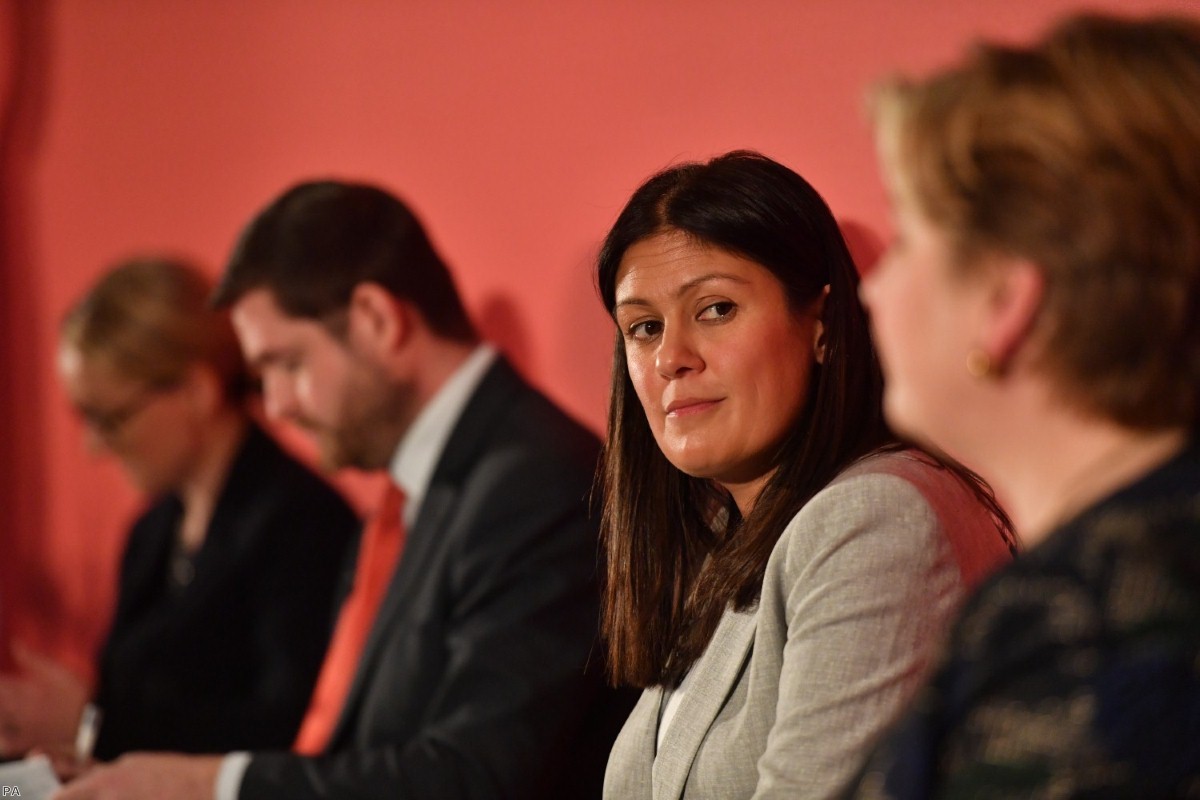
<point x="336" y="450"/>
<point x="374" y="417"/>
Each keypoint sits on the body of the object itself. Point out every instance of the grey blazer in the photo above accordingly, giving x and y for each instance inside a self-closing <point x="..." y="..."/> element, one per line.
<point x="790" y="694"/>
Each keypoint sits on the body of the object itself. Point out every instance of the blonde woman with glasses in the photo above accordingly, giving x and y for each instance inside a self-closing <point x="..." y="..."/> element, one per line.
<point x="226" y="586"/>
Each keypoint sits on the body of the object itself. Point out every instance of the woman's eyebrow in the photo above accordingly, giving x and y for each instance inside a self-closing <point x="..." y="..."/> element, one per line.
<point x="684" y="288"/>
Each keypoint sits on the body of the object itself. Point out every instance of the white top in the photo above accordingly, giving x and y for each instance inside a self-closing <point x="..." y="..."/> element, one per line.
<point x="411" y="469"/>
<point x="671" y="706"/>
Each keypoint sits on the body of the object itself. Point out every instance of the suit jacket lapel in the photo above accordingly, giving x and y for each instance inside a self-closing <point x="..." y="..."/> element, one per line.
<point x="712" y="678"/>
<point x="418" y="547"/>
<point x="631" y="761"/>
<point x="440" y="498"/>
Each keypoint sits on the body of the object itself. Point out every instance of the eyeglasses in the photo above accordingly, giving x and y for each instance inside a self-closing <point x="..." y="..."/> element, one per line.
<point x="109" y="423"/>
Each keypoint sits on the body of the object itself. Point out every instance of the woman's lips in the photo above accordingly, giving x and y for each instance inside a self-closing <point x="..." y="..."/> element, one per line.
<point x="689" y="406"/>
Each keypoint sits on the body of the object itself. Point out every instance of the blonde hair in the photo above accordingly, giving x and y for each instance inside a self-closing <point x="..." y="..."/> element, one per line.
<point x="149" y="319"/>
<point x="1081" y="154"/>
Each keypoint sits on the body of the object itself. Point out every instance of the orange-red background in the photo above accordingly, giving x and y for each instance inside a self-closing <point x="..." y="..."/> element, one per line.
<point x="516" y="129"/>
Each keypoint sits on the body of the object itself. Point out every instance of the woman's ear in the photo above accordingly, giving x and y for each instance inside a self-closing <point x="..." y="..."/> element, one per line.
<point x="1015" y="292"/>
<point x="818" y="311"/>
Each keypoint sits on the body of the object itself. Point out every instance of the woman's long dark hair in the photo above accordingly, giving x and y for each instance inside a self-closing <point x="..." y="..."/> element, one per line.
<point x="671" y="572"/>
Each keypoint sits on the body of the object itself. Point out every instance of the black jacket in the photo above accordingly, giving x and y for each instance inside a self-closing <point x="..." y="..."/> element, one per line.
<point x="473" y="682"/>
<point x="229" y="662"/>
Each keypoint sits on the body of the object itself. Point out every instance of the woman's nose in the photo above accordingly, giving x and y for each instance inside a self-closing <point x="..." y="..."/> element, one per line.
<point x="677" y="355"/>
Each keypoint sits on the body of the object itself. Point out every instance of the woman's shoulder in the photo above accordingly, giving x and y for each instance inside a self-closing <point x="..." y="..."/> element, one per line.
<point x="1147" y="536"/>
<point x="904" y="478"/>
<point x="907" y="464"/>
<point x="909" y="501"/>
<point x="271" y="500"/>
<point x="948" y="494"/>
<point x="266" y="472"/>
<point x="859" y="514"/>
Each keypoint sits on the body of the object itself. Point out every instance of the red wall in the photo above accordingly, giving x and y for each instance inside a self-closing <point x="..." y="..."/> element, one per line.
<point x="517" y="129"/>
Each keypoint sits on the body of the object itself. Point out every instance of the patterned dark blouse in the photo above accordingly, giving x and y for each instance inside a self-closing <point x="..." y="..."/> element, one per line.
<point x="1074" y="672"/>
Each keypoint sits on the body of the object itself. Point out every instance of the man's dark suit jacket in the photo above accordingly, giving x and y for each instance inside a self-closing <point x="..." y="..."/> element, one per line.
<point x="228" y="662"/>
<point x="472" y="683"/>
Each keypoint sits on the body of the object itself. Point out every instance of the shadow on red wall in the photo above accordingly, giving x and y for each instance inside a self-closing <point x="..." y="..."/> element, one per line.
<point x="499" y="322"/>
<point x="26" y="593"/>
<point x="866" y="247"/>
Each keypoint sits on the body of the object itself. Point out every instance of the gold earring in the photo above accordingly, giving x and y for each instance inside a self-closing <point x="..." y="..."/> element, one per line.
<point x="979" y="363"/>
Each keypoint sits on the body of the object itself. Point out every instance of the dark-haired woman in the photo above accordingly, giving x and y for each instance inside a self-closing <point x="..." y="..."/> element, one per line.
<point x="778" y="570"/>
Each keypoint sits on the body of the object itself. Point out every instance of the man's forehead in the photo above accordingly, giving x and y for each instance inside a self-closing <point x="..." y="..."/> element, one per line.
<point x="262" y="325"/>
<point x="257" y="304"/>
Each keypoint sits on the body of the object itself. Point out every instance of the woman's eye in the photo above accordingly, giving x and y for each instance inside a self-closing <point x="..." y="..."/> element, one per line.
<point x="645" y="331"/>
<point x="717" y="311"/>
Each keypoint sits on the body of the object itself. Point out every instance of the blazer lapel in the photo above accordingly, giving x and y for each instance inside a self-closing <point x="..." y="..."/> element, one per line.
<point x="712" y="678"/>
<point x="631" y="761"/>
<point x="418" y="547"/>
<point x="498" y="384"/>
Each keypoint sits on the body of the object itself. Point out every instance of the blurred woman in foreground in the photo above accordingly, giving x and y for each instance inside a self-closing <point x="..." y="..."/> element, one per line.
<point x="1038" y="317"/>
<point x="778" y="575"/>
<point x="226" y="586"/>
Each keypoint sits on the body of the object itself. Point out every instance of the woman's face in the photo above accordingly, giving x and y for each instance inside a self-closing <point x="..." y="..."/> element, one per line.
<point x="154" y="432"/>
<point x="717" y="357"/>
<point x="924" y="318"/>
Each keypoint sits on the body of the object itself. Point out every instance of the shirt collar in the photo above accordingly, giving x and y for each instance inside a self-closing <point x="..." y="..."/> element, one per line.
<point x="421" y="447"/>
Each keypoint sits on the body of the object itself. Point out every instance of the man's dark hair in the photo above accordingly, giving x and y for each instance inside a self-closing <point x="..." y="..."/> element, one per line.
<point x="320" y="239"/>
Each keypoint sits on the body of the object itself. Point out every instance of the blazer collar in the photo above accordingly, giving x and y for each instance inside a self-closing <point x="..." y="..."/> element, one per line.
<point x="713" y="677"/>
